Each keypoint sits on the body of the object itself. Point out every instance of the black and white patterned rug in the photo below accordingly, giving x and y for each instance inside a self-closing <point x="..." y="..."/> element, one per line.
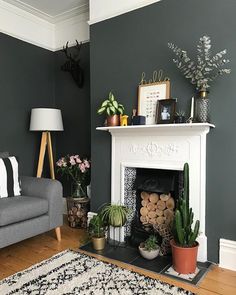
<point x="72" y="273"/>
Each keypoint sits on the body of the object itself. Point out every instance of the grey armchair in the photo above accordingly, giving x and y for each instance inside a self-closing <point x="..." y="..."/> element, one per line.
<point x="37" y="210"/>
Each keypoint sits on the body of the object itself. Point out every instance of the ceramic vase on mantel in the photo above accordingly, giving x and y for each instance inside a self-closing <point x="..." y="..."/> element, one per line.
<point x="202" y="107"/>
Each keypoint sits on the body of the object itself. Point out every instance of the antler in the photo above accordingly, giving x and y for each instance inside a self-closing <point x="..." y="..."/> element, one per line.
<point x="78" y="45"/>
<point x="65" y="50"/>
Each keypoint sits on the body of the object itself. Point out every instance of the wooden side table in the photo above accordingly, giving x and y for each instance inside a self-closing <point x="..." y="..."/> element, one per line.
<point x="77" y="209"/>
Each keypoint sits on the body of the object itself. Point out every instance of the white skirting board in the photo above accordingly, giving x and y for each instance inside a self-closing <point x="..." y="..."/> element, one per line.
<point x="228" y="254"/>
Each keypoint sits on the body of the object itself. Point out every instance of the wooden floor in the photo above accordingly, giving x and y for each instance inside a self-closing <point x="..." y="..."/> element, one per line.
<point x="24" y="254"/>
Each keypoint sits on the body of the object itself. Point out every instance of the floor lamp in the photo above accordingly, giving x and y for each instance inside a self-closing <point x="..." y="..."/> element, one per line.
<point x="46" y="120"/>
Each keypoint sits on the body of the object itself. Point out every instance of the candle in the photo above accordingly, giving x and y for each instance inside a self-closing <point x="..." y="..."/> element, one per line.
<point x="192" y="108"/>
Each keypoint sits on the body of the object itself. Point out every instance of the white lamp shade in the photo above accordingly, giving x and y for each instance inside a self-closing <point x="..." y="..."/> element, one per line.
<point x="46" y="119"/>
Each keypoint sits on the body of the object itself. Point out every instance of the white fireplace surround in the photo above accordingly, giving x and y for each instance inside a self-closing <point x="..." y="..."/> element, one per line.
<point x="163" y="147"/>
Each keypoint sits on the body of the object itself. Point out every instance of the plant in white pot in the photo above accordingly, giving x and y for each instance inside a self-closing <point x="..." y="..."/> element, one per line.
<point x="112" y="109"/>
<point x="150" y="248"/>
<point x="184" y="245"/>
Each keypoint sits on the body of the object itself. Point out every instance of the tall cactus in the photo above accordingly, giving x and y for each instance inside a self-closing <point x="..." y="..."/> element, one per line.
<point x="184" y="235"/>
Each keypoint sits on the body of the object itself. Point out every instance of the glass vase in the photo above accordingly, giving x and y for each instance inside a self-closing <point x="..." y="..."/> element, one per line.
<point x="78" y="190"/>
<point x="202" y="108"/>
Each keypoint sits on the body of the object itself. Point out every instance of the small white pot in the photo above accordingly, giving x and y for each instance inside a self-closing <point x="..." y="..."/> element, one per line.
<point x="149" y="254"/>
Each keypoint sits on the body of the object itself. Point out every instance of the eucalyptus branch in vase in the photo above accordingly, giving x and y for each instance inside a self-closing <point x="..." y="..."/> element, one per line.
<point x="206" y="68"/>
<point x="202" y="71"/>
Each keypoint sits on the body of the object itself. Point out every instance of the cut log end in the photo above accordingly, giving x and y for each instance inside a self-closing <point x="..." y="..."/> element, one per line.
<point x="154" y="198"/>
<point x="170" y="203"/>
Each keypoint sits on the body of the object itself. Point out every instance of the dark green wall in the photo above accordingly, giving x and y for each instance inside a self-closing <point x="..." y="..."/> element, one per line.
<point x="26" y="81"/>
<point x="75" y="103"/>
<point x="125" y="46"/>
<point x="30" y="77"/>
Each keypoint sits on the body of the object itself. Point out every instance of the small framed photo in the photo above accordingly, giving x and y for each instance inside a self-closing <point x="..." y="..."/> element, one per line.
<point x="165" y="111"/>
<point x="148" y="95"/>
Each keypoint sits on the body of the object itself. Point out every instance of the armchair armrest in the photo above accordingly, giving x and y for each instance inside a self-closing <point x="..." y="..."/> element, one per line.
<point x="48" y="189"/>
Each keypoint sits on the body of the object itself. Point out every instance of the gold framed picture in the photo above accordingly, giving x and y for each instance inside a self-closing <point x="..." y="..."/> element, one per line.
<point x="148" y="95"/>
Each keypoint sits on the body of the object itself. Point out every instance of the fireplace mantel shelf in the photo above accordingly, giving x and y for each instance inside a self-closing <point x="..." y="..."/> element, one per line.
<point x="157" y="127"/>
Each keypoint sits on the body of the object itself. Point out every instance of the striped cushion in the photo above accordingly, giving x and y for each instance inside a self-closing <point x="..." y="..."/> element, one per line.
<point x="9" y="178"/>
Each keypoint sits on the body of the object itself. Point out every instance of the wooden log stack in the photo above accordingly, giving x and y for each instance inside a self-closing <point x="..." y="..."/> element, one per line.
<point x="157" y="208"/>
<point x="77" y="209"/>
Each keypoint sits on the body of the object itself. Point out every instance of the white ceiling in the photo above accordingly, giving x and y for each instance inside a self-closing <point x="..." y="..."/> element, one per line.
<point x="50" y="9"/>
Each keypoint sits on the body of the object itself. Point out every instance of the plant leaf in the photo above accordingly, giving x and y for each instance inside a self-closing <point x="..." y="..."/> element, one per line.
<point x="113" y="109"/>
<point x="111" y="96"/>
<point x="115" y="104"/>
<point x="121" y="111"/>
<point x="104" y="104"/>
<point x="101" y="110"/>
<point x="108" y="111"/>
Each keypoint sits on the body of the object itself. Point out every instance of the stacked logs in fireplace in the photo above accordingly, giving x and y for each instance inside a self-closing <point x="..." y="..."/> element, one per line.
<point x="156" y="208"/>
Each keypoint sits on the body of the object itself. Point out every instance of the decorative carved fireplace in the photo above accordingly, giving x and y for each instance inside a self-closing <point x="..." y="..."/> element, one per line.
<point x="165" y="147"/>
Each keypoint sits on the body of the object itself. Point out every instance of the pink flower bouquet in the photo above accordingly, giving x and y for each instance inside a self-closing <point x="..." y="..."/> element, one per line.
<point x="76" y="168"/>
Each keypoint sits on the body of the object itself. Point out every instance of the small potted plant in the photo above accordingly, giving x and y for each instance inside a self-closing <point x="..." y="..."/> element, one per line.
<point x="180" y="116"/>
<point x="113" y="109"/>
<point x="97" y="230"/>
<point x="184" y="245"/>
<point x="114" y="215"/>
<point x="149" y="249"/>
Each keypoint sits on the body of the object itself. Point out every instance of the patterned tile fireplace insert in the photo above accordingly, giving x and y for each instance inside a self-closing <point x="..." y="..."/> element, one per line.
<point x="149" y="183"/>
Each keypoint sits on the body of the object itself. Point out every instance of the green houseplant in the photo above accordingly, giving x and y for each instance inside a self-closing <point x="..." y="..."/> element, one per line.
<point x="97" y="230"/>
<point x="114" y="215"/>
<point x="149" y="249"/>
<point x="184" y="245"/>
<point x="112" y="109"/>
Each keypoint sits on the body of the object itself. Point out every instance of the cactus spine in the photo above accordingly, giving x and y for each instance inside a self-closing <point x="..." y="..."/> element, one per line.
<point x="184" y="235"/>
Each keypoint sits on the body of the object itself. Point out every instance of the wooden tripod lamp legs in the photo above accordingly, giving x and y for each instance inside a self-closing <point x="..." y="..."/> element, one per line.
<point x="42" y="154"/>
<point x="46" y="141"/>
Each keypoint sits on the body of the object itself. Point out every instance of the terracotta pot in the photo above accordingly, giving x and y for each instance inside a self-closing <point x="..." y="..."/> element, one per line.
<point x="149" y="255"/>
<point x="184" y="259"/>
<point x="99" y="243"/>
<point x="113" y="120"/>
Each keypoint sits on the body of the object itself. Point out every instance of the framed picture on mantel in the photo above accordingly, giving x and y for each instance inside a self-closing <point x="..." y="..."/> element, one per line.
<point x="165" y="111"/>
<point x="148" y="95"/>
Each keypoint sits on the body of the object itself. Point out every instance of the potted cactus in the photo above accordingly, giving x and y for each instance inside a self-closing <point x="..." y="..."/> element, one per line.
<point x="113" y="109"/>
<point x="184" y="245"/>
